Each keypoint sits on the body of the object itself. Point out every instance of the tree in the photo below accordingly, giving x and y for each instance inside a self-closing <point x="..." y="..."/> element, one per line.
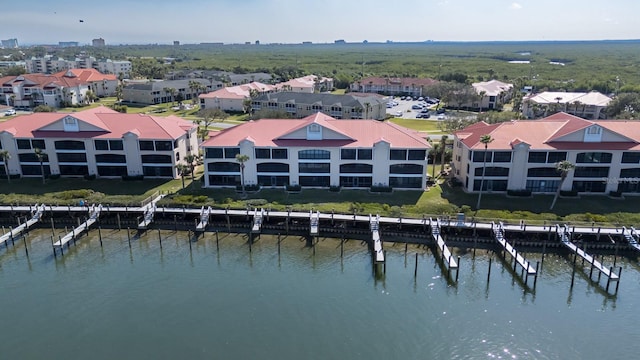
<point x="183" y="170"/>
<point x="90" y="96"/>
<point x="241" y="159"/>
<point x="44" y="108"/>
<point x="14" y="71"/>
<point x="190" y="159"/>
<point x="40" y="155"/>
<point x="443" y="148"/>
<point x="563" y="167"/>
<point x="435" y="150"/>
<point x="5" y="156"/>
<point x="486" y="140"/>
<point x="119" y="92"/>
<point x="208" y="116"/>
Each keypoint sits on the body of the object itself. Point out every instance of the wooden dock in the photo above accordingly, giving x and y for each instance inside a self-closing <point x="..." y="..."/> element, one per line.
<point x="148" y="216"/>
<point x="314" y="223"/>
<point x="564" y="234"/>
<point x="35" y="217"/>
<point x="445" y="253"/>
<point x="94" y="214"/>
<point x="256" y="227"/>
<point x="204" y="219"/>
<point x="378" y="251"/>
<point x="499" y="236"/>
<point x="631" y="235"/>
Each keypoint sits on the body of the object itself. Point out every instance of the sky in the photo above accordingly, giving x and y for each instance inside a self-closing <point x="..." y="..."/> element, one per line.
<point x="318" y="21"/>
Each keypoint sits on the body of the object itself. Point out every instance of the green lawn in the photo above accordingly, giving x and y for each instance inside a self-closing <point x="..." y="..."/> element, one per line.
<point x="429" y="126"/>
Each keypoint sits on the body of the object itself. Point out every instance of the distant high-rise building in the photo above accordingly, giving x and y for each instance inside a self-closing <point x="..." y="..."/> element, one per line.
<point x="257" y="42"/>
<point x="176" y="43"/>
<point x="67" y="43"/>
<point x="10" y="43"/>
<point x="340" y="41"/>
<point x="99" y="42"/>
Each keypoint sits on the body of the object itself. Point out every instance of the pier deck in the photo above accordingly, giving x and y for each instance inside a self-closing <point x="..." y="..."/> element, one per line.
<point x="374" y="225"/>
<point x="94" y="214"/>
<point x="314" y="222"/>
<point x="37" y="214"/>
<point x="257" y="221"/>
<point x="147" y="217"/>
<point x="564" y="239"/>
<point x="445" y="253"/>
<point x="204" y="219"/>
<point x="631" y="235"/>
<point x="498" y="234"/>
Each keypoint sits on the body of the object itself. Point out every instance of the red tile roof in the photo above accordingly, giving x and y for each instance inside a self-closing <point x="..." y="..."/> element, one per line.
<point x="115" y="125"/>
<point x="357" y="133"/>
<point x="548" y="133"/>
<point x="86" y="75"/>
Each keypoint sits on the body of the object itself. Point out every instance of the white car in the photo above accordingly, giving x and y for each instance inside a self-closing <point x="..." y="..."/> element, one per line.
<point x="9" y="112"/>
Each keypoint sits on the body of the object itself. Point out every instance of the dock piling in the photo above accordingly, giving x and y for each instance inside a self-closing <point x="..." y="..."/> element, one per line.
<point x="129" y="236"/>
<point x="458" y="269"/>
<point x="55" y="254"/>
<point x="24" y="241"/>
<point x="415" y="270"/>
<point x="489" y="272"/>
<point x="160" y="238"/>
<point x="100" y="234"/>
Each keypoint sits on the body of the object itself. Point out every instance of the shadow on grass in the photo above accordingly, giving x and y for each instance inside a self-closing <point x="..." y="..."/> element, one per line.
<point x="34" y="186"/>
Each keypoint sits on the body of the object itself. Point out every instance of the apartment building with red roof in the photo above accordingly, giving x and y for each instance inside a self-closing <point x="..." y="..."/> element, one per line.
<point x="392" y="85"/>
<point x="317" y="151"/>
<point x="523" y="155"/>
<point x="233" y="98"/>
<point x="68" y="87"/>
<point x="97" y="141"/>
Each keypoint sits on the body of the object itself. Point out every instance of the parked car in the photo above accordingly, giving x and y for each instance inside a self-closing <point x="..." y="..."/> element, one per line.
<point x="424" y="110"/>
<point x="398" y="113"/>
<point x="440" y="111"/>
<point x="423" y="116"/>
<point x="441" y="117"/>
<point x="9" y="112"/>
<point x="416" y="107"/>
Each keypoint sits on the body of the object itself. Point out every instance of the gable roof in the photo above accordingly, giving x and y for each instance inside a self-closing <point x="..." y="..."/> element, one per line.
<point x="86" y="75"/>
<point x="112" y="124"/>
<point x="239" y="91"/>
<point x="492" y="87"/>
<point x="553" y="97"/>
<point x="358" y="133"/>
<point x="548" y="133"/>
<point x="350" y="100"/>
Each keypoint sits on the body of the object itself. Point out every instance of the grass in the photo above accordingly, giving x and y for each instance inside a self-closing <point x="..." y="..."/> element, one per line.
<point x="429" y="126"/>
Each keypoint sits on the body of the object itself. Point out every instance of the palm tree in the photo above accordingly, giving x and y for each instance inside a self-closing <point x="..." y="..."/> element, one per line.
<point x="190" y="159"/>
<point x="443" y="148"/>
<point x="5" y="156"/>
<point x="435" y="150"/>
<point x="480" y="98"/>
<point x="40" y="155"/>
<point x="486" y="140"/>
<point x="563" y="167"/>
<point x="241" y="158"/>
<point x="183" y="169"/>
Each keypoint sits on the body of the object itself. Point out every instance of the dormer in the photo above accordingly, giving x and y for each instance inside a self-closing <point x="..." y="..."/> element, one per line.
<point x="593" y="133"/>
<point x="70" y="124"/>
<point x="314" y="132"/>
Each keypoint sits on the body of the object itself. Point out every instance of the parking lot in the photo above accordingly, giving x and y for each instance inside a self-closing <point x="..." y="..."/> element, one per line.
<point x="404" y="109"/>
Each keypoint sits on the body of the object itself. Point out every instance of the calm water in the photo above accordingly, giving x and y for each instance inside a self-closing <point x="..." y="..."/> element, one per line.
<point x="143" y="303"/>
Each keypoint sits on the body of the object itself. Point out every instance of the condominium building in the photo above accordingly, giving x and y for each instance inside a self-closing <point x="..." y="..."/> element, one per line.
<point x="523" y="155"/>
<point x="317" y="151"/>
<point x="392" y="86"/>
<point x="587" y="105"/>
<point x="49" y="65"/>
<point x="98" y="142"/>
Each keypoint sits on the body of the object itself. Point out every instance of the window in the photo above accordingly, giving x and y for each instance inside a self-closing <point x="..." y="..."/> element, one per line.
<point x="631" y="157"/>
<point x="112" y="170"/>
<point x="365" y="154"/>
<point x="267" y="180"/>
<point x="589" y="186"/>
<point x="406" y="169"/>
<point x="28" y="170"/>
<point x="111" y="158"/>
<point x="223" y="167"/>
<point x="539" y="157"/>
<point x="479" y="156"/>
<point x="177" y="156"/>
<point x="314" y="154"/>
<point x="224" y="180"/>
<point x="314" y="168"/>
<point x="72" y="157"/>
<point x="593" y="157"/>
<point x="314" y="128"/>
<point x="263" y="153"/>
<point x="556" y="156"/>
<point x="273" y="167"/>
<point x="230" y="153"/>
<point x="594" y="130"/>
<point x="630" y="173"/>
<point x="101" y="144"/>
<point x="348" y="154"/>
<point x="542" y="185"/>
<point x="279" y="154"/>
<point x="490" y="185"/>
<point x="214" y="153"/>
<point x="156" y="159"/>
<point x="23" y="144"/>
<point x="164" y="145"/>
<point x="591" y="172"/>
<point x="397" y="154"/>
<point x="492" y="171"/>
<point x="502" y="156"/>
<point x="74" y="170"/>
<point x="405" y="182"/>
<point x="38" y="143"/>
<point x="146" y="145"/>
<point x="356" y="181"/>
<point x="31" y="157"/>
<point x="417" y="154"/>
<point x="116" y="145"/>
<point x="158" y="171"/>
<point x="321" y="181"/>
<point x="543" y="172"/>
<point x="356" y="169"/>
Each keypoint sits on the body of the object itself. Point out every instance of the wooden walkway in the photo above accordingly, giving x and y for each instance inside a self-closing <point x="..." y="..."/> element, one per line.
<point x="36" y="216"/>
<point x="147" y="217"/>
<point x="498" y="234"/>
<point x="631" y="235"/>
<point x="564" y="239"/>
<point x="204" y="219"/>
<point x="445" y="253"/>
<point x="257" y="221"/>
<point x="378" y="251"/>
<point x="314" y="223"/>
<point x="94" y="214"/>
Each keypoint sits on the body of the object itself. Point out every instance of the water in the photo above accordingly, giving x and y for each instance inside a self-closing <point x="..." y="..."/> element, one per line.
<point x="143" y="303"/>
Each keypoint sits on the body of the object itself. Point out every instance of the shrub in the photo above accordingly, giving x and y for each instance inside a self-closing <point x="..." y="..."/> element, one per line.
<point x="381" y="189"/>
<point x="294" y="188"/>
<point x="335" y="188"/>
<point x="73" y="194"/>
<point x="522" y="192"/>
<point x="132" y="177"/>
<point x="256" y="202"/>
<point x="253" y="187"/>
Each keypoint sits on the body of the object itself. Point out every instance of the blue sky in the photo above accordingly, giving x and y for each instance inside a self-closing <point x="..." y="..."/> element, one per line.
<point x="294" y="21"/>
